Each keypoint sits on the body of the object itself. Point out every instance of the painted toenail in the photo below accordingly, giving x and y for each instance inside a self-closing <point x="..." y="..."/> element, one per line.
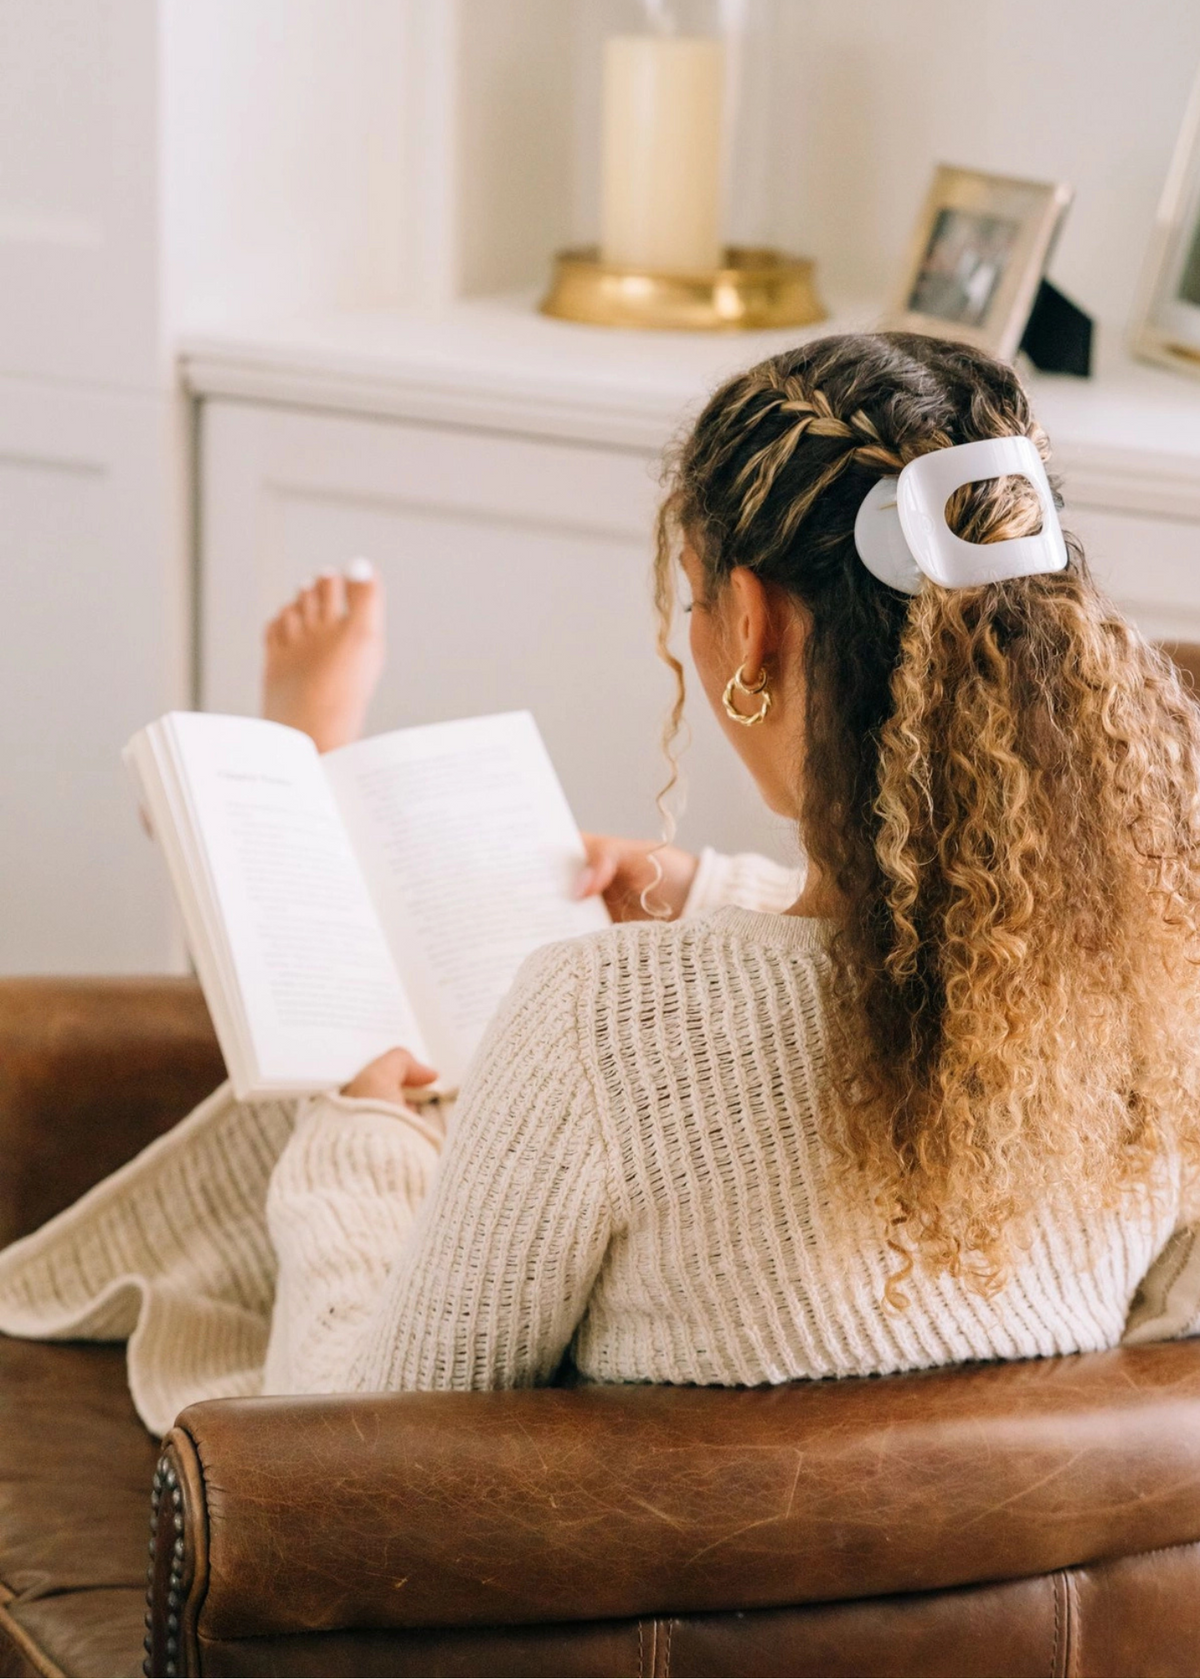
<point x="360" y="570"/>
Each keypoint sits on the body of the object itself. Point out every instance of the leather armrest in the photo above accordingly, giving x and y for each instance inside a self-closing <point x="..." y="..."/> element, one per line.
<point x="428" y="1510"/>
<point x="91" y="1070"/>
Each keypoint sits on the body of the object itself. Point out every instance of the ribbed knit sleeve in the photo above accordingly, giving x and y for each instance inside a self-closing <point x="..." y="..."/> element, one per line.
<point x="481" y="1282"/>
<point x="342" y="1201"/>
<point x="742" y="881"/>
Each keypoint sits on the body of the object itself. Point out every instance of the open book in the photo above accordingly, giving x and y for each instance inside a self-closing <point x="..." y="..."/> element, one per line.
<point x="382" y="894"/>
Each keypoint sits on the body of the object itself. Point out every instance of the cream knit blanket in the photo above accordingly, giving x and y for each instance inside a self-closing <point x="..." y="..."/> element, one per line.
<point x="171" y="1253"/>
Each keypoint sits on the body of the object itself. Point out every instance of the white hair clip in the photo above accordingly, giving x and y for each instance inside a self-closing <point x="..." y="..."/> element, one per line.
<point x="901" y="532"/>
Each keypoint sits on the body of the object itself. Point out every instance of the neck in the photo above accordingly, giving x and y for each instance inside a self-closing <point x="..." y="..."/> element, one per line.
<point x="819" y="898"/>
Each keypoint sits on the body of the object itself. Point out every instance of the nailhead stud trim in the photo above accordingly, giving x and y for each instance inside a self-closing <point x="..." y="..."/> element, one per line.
<point x="166" y="1480"/>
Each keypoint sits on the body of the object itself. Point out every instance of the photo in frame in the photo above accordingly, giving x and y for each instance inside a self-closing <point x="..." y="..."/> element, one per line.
<point x="978" y="253"/>
<point x="1167" y="319"/>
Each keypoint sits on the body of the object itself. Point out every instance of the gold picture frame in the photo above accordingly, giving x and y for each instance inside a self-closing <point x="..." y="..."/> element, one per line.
<point x="978" y="253"/>
<point x="1167" y="316"/>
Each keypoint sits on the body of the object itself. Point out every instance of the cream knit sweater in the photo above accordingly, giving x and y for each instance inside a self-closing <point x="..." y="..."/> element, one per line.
<point x="636" y="1173"/>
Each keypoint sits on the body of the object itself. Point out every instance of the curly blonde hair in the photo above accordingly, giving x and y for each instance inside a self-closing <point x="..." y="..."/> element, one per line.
<point x="1002" y="784"/>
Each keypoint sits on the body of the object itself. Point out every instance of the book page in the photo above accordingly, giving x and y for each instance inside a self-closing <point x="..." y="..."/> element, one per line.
<point x="150" y="758"/>
<point x="470" y="851"/>
<point x="318" y="988"/>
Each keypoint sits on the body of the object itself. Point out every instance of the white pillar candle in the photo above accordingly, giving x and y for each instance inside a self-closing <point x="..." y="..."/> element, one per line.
<point x="661" y="151"/>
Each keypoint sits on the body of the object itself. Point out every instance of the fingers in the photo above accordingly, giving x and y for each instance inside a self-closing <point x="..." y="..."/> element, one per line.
<point x="416" y="1073"/>
<point x="603" y="861"/>
<point x="402" y="1066"/>
<point x="623" y="869"/>
<point x="389" y="1076"/>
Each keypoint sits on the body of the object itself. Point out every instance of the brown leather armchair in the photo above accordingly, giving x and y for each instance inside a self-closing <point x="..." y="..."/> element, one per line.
<point x="1007" y="1519"/>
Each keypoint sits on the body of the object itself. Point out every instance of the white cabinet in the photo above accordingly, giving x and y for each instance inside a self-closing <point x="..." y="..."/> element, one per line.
<point x="91" y="624"/>
<point x="1150" y="565"/>
<point x="92" y="563"/>
<point x="517" y="572"/>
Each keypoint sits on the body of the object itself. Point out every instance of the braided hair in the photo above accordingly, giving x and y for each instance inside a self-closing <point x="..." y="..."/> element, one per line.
<point x="1001" y="783"/>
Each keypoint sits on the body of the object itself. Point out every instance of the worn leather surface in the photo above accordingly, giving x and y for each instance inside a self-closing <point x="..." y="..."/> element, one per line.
<point x="75" y="1472"/>
<point x="1133" y="1616"/>
<point x="426" y="1510"/>
<point x="1008" y="1629"/>
<point x="91" y="1070"/>
<point x="1137" y="1614"/>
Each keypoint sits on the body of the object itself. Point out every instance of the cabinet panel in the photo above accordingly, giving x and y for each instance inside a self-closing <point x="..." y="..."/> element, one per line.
<point x="517" y="575"/>
<point x="1151" y="567"/>
<point x="90" y="626"/>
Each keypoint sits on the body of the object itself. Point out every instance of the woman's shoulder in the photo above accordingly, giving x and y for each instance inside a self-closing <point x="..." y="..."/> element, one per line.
<point x="697" y="947"/>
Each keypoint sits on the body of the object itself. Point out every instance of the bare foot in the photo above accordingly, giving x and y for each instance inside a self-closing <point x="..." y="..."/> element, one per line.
<point x="324" y="656"/>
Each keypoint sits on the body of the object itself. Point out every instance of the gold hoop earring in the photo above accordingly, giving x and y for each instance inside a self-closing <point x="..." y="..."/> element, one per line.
<point x="737" y="685"/>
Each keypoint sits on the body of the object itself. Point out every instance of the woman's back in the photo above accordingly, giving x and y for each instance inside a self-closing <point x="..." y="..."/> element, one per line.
<point x="642" y="1173"/>
<point x="738" y="1256"/>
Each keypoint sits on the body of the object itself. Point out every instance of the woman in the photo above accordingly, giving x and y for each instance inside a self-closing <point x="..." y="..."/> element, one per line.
<point x="935" y="1103"/>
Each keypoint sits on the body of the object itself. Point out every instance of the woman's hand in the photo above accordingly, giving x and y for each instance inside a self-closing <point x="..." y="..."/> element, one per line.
<point x="619" y="870"/>
<point x="388" y="1077"/>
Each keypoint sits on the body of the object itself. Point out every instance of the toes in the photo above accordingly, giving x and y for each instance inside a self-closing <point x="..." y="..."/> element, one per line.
<point x="308" y="605"/>
<point x="289" y="626"/>
<point x="364" y="595"/>
<point x="280" y="632"/>
<point x="331" y="595"/>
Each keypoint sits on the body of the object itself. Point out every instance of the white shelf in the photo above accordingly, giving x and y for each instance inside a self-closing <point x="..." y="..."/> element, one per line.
<point x="494" y="363"/>
<point x="1128" y="438"/>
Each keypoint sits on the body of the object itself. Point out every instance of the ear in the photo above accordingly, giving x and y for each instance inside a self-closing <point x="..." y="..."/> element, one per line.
<point x="760" y="619"/>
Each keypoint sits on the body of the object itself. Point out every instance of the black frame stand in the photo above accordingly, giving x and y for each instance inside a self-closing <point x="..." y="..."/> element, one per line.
<point x="1058" y="334"/>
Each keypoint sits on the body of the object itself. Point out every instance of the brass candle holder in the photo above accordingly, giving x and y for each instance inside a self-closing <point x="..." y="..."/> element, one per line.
<point x="754" y="289"/>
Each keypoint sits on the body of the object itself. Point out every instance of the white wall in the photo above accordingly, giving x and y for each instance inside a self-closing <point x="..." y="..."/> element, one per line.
<point x="514" y="160"/>
<point x="78" y="182"/>
<point x="1087" y="91"/>
<point x="869" y="94"/>
<point x="360" y="154"/>
<point x="286" y="179"/>
<point x="364" y="153"/>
